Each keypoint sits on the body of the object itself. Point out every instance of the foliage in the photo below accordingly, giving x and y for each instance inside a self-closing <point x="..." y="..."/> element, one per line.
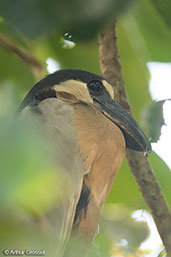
<point x="40" y="28"/>
<point x="82" y="19"/>
<point x="153" y="117"/>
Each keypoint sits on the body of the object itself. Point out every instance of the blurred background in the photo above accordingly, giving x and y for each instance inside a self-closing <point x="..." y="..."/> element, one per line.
<point x="39" y="37"/>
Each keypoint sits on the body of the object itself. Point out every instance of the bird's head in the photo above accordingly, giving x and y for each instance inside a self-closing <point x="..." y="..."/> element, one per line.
<point x="81" y="86"/>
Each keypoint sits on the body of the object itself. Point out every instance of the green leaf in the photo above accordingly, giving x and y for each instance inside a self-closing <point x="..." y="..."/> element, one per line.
<point x="162" y="252"/>
<point x="82" y="56"/>
<point x="164" y="8"/>
<point x="133" y="57"/>
<point x="153" y="31"/>
<point x="118" y="225"/>
<point x="14" y="71"/>
<point x="163" y="175"/>
<point x="125" y="190"/>
<point x="153" y="120"/>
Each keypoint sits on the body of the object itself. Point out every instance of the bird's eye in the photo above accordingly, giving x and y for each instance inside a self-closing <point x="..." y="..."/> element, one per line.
<point x="96" y="86"/>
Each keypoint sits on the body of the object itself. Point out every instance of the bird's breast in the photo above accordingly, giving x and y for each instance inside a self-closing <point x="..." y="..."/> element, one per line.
<point x="102" y="147"/>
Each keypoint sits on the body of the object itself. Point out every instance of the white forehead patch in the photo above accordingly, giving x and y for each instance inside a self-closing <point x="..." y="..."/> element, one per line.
<point x="76" y="88"/>
<point x="108" y="88"/>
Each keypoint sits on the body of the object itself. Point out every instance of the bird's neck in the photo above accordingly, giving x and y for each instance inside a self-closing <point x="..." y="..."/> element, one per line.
<point x="102" y="147"/>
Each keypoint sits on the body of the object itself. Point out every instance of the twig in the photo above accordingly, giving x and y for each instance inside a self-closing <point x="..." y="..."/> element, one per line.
<point x="139" y="165"/>
<point x="22" y="54"/>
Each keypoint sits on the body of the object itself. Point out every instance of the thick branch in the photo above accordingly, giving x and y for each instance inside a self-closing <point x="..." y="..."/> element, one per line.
<point x="22" y="54"/>
<point x="139" y="165"/>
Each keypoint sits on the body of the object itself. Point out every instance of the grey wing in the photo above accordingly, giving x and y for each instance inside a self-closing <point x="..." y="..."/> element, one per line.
<point x="55" y="118"/>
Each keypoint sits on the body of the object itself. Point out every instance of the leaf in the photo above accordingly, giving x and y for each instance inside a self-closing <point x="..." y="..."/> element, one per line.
<point x="163" y="175"/>
<point x="153" y="31"/>
<point x="119" y="232"/>
<point x="153" y="120"/>
<point x="164" y="8"/>
<point x="133" y="61"/>
<point x="125" y="190"/>
<point x="13" y="71"/>
<point x="162" y="252"/>
<point x="82" y="56"/>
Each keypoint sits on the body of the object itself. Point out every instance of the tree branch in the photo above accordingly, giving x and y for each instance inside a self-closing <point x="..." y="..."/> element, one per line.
<point x="22" y="54"/>
<point x="139" y="165"/>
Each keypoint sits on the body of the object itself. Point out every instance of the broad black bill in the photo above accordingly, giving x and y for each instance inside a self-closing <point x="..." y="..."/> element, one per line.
<point x="134" y="136"/>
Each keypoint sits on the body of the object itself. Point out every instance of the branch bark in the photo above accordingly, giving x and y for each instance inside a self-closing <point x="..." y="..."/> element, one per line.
<point x="139" y="165"/>
<point x="22" y="54"/>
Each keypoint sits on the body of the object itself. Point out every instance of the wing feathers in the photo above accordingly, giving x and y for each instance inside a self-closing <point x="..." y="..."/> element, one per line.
<point x="55" y="118"/>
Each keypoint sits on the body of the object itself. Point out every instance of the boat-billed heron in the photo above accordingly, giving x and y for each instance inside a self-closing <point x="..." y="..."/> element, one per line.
<point x="89" y="132"/>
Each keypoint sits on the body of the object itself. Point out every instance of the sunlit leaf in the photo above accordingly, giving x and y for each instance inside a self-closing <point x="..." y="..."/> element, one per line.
<point x="162" y="252"/>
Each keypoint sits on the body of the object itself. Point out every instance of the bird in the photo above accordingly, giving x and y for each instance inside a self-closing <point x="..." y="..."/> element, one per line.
<point x="87" y="133"/>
